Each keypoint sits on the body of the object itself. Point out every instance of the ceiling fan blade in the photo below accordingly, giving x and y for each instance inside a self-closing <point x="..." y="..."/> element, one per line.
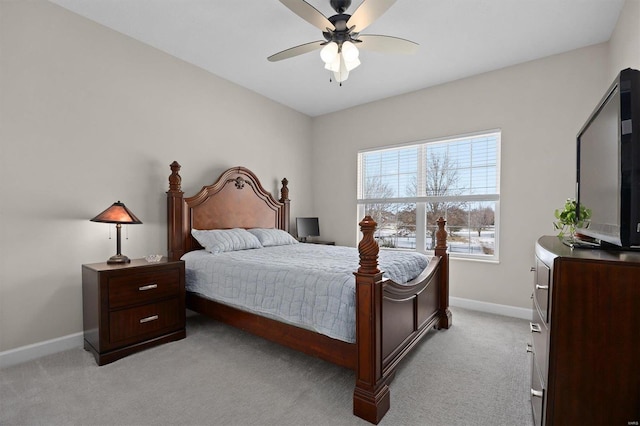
<point x="295" y="51"/>
<point x="308" y="13"/>
<point x="387" y="44"/>
<point x="367" y="12"/>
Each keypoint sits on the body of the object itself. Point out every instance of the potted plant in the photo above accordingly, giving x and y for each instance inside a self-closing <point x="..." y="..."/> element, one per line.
<point x="567" y="218"/>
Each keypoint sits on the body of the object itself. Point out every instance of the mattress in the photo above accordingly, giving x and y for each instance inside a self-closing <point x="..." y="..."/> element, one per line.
<point x="308" y="285"/>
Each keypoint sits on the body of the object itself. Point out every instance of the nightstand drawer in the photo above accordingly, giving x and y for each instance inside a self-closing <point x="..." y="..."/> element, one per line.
<point x="144" y="320"/>
<point x="143" y="287"/>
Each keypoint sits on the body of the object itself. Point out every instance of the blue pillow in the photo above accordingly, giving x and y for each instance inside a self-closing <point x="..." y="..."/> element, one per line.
<point x="273" y="237"/>
<point x="223" y="240"/>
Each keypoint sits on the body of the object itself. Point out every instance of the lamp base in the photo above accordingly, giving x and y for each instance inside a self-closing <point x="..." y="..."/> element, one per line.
<point x="118" y="258"/>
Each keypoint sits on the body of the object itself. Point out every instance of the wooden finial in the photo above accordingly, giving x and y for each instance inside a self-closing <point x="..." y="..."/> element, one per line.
<point x="441" y="235"/>
<point x="175" y="180"/>
<point x="284" y="192"/>
<point x="368" y="247"/>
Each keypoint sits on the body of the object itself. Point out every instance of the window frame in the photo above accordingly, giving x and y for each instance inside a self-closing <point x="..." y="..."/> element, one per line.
<point x="421" y="201"/>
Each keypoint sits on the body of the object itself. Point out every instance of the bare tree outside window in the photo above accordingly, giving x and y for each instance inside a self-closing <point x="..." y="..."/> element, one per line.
<point x="380" y="212"/>
<point x="396" y="221"/>
<point x="481" y="219"/>
<point x="457" y="179"/>
<point x="441" y="179"/>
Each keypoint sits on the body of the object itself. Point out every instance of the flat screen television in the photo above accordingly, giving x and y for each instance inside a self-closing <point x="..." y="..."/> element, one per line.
<point x="307" y="227"/>
<point x="608" y="176"/>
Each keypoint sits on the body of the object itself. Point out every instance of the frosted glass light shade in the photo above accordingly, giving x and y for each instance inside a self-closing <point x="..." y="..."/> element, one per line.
<point x="335" y="64"/>
<point x="343" y="73"/>
<point x="329" y="52"/>
<point x="350" y="65"/>
<point x="341" y="76"/>
<point x="349" y="51"/>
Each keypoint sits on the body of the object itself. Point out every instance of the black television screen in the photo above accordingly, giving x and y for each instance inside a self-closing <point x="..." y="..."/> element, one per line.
<point x="608" y="175"/>
<point x="307" y="227"/>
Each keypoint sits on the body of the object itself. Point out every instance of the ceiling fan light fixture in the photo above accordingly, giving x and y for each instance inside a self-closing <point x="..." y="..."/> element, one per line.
<point x="344" y="71"/>
<point x="329" y="52"/>
<point x="332" y="67"/>
<point x="349" y="51"/>
<point x="335" y="64"/>
<point x="341" y="76"/>
<point x="351" y="65"/>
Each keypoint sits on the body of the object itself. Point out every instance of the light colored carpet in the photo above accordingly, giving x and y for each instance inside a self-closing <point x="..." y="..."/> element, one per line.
<point x="475" y="373"/>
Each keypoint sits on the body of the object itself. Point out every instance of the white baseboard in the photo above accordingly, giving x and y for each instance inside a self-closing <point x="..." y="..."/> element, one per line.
<point x="48" y="347"/>
<point x="40" y="349"/>
<point x="492" y="308"/>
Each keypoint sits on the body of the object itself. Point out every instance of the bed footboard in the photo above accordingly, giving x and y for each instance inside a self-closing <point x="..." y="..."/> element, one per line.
<point x="410" y="311"/>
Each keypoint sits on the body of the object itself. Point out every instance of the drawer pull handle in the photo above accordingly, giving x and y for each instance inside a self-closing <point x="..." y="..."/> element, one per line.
<point x="529" y="348"/>
<point x="148" y="287"/>
<point x="535" y="328"/>
<point x="148" y="319"/>
<point x="533" y="269"/>
<point x="542" y="287"/>
<point x="536" y="393"/>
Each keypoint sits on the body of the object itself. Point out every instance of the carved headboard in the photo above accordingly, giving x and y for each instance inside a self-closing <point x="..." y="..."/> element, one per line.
<point x="236" y="200"/>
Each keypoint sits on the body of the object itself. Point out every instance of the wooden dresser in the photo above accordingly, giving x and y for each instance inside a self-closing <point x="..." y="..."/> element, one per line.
<point x="585" y="336"/>
<point x="130" y="307"/>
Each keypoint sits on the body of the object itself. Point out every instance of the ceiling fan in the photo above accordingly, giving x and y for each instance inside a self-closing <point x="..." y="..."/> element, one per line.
<point x="342" y="37"/>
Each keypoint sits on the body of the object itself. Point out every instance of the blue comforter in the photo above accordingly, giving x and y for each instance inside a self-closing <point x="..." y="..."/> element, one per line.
<point x="308" y="285"/>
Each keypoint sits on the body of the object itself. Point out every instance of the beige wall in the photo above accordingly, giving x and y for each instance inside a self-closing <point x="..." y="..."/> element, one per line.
<point x="539" y="106"/>
<point x="625" y="40"/>
<point x="90" y="117"/>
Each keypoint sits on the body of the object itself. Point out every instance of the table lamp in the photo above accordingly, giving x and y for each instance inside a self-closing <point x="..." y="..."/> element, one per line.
<point x="119" y="214"/>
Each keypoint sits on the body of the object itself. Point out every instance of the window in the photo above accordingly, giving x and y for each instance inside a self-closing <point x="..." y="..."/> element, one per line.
<point x="405" y="189"/>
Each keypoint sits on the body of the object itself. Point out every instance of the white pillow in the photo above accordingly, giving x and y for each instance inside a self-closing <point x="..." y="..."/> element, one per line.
<point x="273" y="237"/>
<point x="222" y="240"/>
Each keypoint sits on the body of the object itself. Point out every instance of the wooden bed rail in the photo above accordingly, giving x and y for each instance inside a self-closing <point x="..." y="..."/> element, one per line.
<point x="371" y="397"/>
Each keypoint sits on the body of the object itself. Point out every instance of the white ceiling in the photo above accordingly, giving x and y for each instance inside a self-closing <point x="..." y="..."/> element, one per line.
<point x="458" y="38"/>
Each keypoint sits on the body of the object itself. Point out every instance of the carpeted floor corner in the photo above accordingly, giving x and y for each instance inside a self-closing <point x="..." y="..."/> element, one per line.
<point x="475" y="373"/>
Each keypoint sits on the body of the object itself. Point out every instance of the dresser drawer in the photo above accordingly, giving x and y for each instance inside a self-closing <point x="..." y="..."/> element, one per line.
<point x="146" y="320"/>
<point x="542" y="289"/>
<point x="143" y="287"/>
<point x="538" y="393"/>
<point x="540" y="335"/>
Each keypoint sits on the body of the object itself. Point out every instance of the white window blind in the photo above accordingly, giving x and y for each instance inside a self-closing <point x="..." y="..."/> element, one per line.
<point x="407" y="188"/>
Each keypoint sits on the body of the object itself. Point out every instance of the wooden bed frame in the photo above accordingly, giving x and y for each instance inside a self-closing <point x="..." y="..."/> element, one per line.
<point x="390" y="318"/>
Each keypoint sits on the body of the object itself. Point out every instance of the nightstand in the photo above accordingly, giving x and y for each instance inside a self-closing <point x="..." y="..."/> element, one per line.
<point x="131" y="307"/>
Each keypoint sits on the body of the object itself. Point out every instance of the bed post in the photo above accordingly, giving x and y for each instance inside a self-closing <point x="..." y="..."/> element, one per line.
<point x="175" y="212"/>
<point x="441" y="250"/>
<point x="371" y="397"/>
<point x="284" y="199"/>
